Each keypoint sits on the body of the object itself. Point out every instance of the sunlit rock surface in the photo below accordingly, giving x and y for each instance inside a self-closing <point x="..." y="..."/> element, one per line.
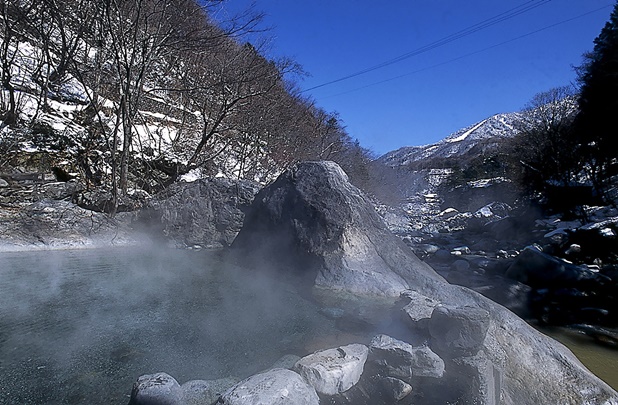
<point x="314" y="221"/>
<point x="333" y="371"/>
<point x="273" y="387"/>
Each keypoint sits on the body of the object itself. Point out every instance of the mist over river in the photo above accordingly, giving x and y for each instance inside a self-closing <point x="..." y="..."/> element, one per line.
<point x="80" y="326"/>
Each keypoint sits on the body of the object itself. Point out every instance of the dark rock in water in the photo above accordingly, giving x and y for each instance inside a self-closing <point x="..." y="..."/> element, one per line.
<point x="603" y="335"/>
<point x="537" y="269"/>
<point x="314" y="221"/>
<point x="207" y="212"/>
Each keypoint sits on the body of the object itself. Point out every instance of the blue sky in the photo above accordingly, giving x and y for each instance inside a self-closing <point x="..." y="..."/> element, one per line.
<point x="426" y="97"/>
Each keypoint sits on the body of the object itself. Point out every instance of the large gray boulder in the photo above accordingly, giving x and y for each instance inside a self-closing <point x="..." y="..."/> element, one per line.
<point x="207" y="212"/>
<point x="313" y="220"/>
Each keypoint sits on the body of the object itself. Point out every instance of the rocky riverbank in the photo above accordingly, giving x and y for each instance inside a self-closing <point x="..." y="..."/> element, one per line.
<point x="435" y="342"/>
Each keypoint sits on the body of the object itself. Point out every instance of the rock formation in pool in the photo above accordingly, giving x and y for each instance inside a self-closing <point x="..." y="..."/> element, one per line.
<point x="452" y="346"/>
<point x="313" y="221"/>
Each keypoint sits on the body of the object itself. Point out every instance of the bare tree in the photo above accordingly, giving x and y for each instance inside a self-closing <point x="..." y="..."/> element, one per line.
<point x="543" y="151"/>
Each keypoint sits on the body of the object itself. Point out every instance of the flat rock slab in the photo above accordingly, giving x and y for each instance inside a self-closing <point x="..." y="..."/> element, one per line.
<point x="334" y="371"/>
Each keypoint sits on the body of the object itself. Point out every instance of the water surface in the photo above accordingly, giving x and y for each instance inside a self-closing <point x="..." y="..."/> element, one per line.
<point x="79" y="327"/>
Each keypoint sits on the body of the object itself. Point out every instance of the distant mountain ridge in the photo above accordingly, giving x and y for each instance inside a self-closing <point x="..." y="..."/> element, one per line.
<point x="458" y="143"/>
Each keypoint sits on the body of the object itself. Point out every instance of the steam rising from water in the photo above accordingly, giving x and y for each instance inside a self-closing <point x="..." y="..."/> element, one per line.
<point x="81" y="326"/>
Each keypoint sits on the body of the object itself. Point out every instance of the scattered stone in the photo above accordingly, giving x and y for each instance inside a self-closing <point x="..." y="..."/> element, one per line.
<point x="538" y="269"/>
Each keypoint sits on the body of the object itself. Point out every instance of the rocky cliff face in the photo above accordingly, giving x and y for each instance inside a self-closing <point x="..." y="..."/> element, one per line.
<point x="206" y="213"/>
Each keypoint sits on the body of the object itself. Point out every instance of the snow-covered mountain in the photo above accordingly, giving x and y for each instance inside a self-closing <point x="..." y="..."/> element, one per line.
<point x="458" y="143"/>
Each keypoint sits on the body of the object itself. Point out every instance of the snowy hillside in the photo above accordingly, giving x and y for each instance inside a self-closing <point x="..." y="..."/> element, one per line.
<point x="458" y="143"/>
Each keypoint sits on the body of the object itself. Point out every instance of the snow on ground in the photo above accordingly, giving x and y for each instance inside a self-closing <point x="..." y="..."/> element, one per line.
<point x="465" y="134"/>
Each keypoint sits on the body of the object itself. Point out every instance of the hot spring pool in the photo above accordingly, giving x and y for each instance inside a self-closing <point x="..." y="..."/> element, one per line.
<point x="80" y="326"/>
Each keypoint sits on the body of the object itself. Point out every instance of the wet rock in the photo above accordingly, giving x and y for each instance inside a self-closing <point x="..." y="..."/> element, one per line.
<point x="334" y="371"/>
<point x="332" y="234"/>
<point x="273" y="387"/>
<point x="395" y="358"/>
<point x="200" y="392"/>
<point x="458" y="331"/>
<point x="156" y="389"/>
<point x="332" y="313"/>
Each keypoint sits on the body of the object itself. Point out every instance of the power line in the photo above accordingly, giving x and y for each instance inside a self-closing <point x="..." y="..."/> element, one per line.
<point x="511" y="13"/>
<point x="473" y="53"/>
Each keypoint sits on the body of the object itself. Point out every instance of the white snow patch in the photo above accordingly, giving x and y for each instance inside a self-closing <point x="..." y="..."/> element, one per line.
<point x="193" y="175"/>
<point x="465" y="134"/>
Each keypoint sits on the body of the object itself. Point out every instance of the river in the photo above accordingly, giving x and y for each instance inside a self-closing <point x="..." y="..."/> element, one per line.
<point x="601" y="359"/>
<point x="79" y="327"/>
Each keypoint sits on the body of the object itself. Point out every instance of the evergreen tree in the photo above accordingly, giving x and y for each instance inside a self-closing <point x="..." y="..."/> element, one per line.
<point x="596" y="123"/>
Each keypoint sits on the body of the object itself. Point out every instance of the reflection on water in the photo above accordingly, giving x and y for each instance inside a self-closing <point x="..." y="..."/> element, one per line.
<point x="80" y="326"/>
<point x="601" y="359"/>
